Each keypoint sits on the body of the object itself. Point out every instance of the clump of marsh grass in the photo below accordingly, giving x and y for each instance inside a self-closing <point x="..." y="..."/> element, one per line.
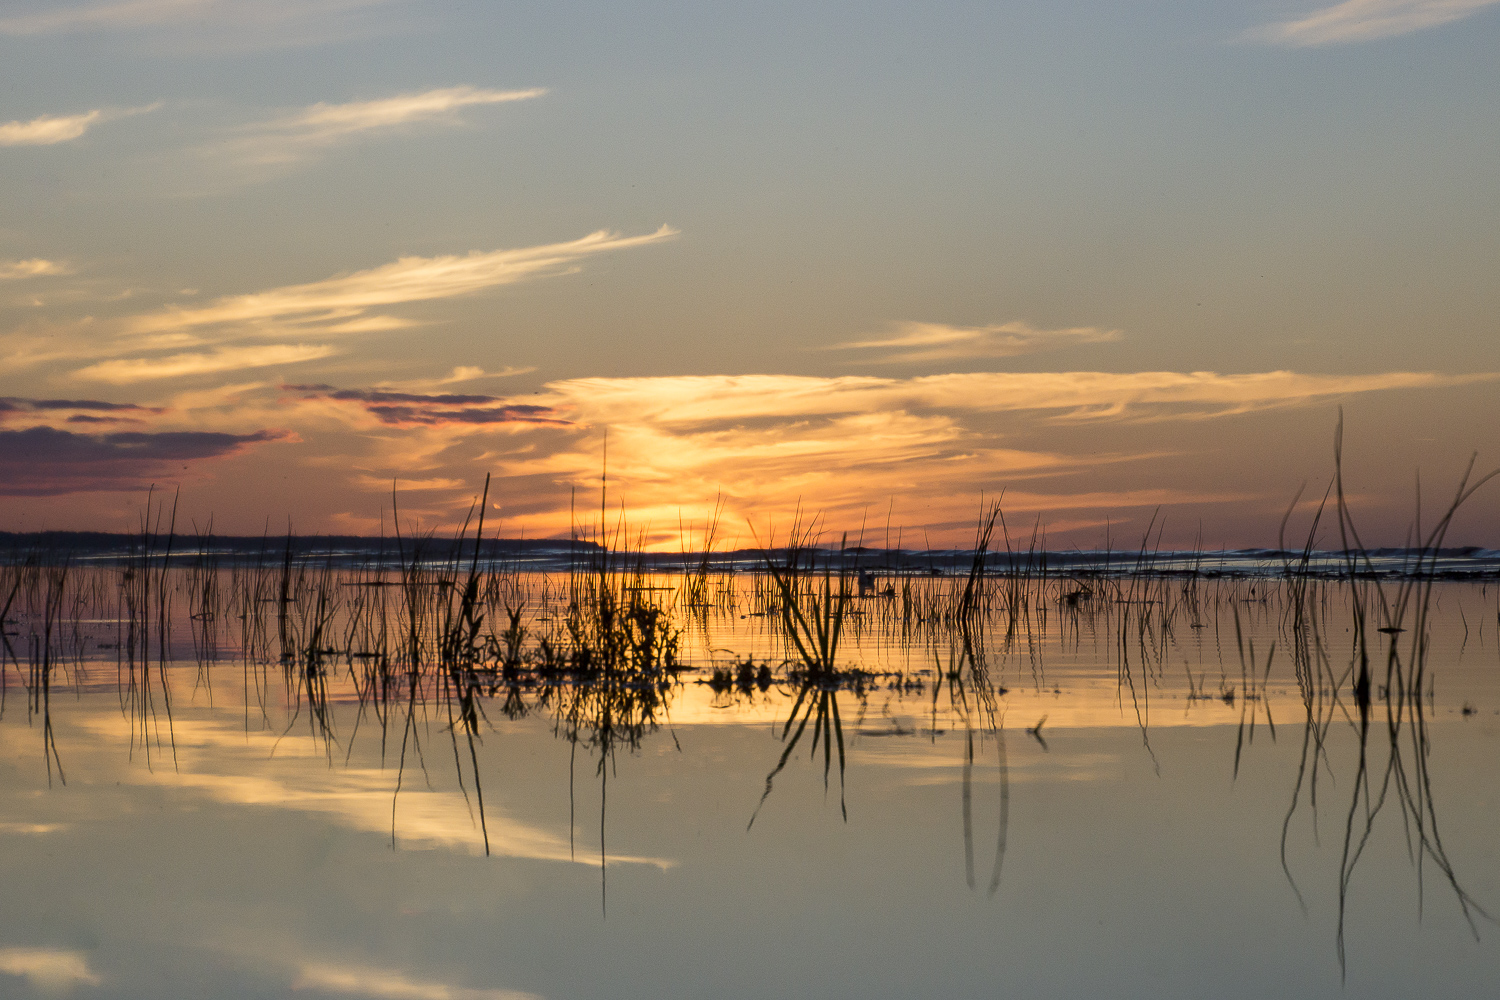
<point x="813" y="610"/>
<point x="1394" y="769"/>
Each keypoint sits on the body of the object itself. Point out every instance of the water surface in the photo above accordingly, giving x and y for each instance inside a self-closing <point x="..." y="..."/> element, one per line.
<point x="1186" y="820"/>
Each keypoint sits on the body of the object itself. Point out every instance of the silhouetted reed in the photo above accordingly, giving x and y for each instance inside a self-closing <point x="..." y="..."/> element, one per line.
<point x="426" y="634"/>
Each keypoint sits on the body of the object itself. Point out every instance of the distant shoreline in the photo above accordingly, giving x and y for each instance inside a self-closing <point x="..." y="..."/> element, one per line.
<point x="562" y="554"/>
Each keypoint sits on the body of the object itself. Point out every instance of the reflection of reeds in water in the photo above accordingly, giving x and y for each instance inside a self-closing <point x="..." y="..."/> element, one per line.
<point x="812" y="611"/>
<point x="146" y="594"/>
<point x="42" y="649"/>
<point x="1394" y="770"/>
<point x="436" y="635"/>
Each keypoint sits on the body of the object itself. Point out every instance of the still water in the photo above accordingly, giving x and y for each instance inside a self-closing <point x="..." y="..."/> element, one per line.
<point x="1085" y="808"/>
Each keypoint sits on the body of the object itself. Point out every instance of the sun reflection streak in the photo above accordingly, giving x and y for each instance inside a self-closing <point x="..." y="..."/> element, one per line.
<point x="368" y="981"/>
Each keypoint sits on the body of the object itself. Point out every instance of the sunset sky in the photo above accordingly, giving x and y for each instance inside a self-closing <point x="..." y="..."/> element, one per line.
<point x="873" y="259"/>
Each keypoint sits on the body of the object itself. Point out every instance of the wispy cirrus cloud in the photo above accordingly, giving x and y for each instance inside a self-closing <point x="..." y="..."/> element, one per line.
<point x="459" y="374"/>
<point x="1365" y="21"/>
<point x="295" y="137"/>
<point x="1074" y="396"/>
<point x="121" y="371"/>
<point x="229" y="333"/>
<point x="344" y="303"/>
<point x="915" y="341"/>
<point x="58" y="19"/>
<point x="223" y="23"/>
<point x="49" y="130"/>
<point x="17" y="270"/>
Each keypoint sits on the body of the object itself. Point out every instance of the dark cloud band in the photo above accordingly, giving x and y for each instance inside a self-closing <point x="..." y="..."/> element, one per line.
<point x="45" y="461"/>
<point x="398" y="408"/>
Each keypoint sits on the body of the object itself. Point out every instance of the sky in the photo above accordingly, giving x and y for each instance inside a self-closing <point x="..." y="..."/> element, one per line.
<point x="1115" y="265"/>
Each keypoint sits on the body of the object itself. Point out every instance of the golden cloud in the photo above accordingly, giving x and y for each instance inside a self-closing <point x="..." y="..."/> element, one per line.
<point x="55" y="970"/>
<point x="291" y="138"/>
<point x="913" y="341"/>
<point x="332" y="305"/>
<point x="121" y="371"/>
<point x="49" y="130"/>
<point x="1079" y="395"/>
<point x="15" y="270"/>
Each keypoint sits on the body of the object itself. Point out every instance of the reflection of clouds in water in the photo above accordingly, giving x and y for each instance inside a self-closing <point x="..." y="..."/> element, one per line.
<point x="365" y="981"/>
<point x="31" y="829"/>
<point x="53" y="969"/>
<point x="230" y="766"/>
<point x="923" y="766"/>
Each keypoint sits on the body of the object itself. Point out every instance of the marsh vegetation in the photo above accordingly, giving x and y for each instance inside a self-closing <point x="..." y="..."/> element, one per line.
<point x="418" y="650"/>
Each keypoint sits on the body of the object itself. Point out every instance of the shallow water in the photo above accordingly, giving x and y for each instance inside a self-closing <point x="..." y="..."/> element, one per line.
<point x="1132" y="845"/>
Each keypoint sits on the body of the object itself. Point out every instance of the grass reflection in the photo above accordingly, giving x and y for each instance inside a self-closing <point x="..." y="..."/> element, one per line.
<point x="431" y="646"/>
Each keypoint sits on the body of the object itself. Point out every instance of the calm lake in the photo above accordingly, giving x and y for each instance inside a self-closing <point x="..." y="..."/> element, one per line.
<point x="360" y="783"/>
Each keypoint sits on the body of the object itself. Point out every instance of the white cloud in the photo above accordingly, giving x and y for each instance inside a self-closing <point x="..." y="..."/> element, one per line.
<point x="15" y="270"/>
<point x="49" y="130"/>
<point x="52" y="969"/>
<point x="121" y="371"/>
<point x="292" y="138"/>
<point x="1366" y="20"/>
<point x="914" y="341"/>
